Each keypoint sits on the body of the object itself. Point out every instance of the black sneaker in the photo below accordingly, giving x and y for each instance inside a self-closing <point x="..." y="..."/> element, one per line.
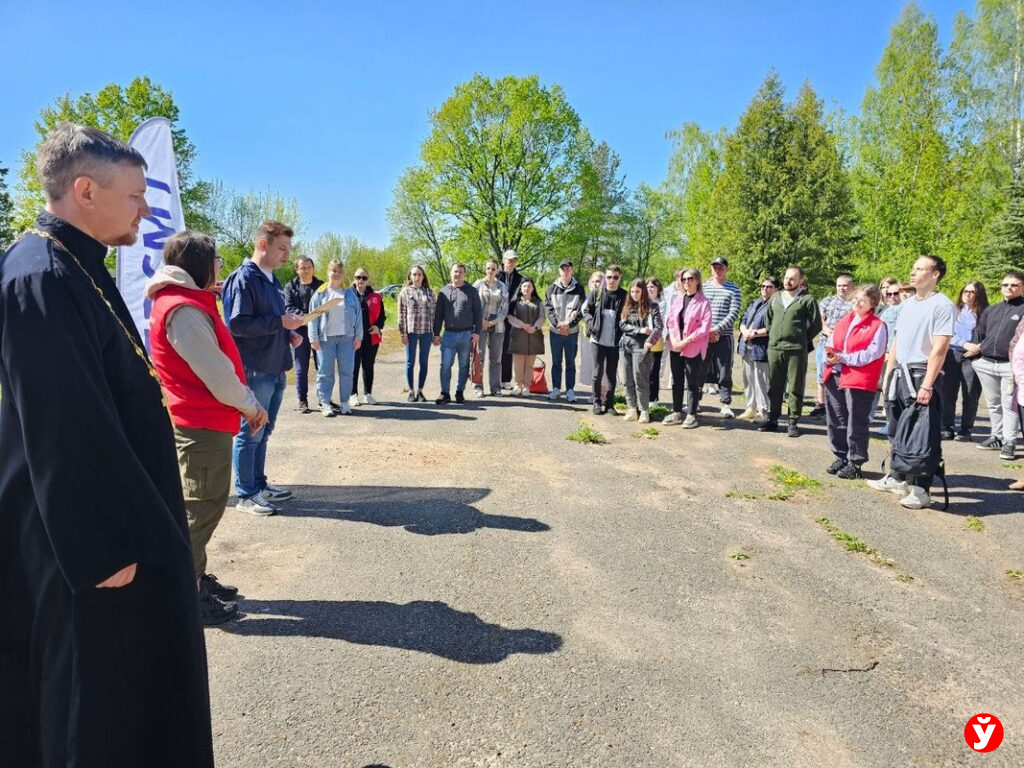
<point x="459" y="396"/>
<point x="991" y="443"/>
<point x="817" y="412"/>
<point x="835" y="466"/>
<point x="335" y="407"/>
<point x="420" y="398"/>
<point x="303" y="407"/>
<point x="213" y="610"/>
<point x="948" y="434"/>
<point x="1008" y="451"/>
<point x="224" y="591"/>
<point x="412" y="397"/>
<point x="850" y="472"/>
<point x="444" y="399"/>
<point x="769" y="426"/>
<point x="597" y="409"/>
<point x="793" y="430"/>
<point x="963" y="437"/>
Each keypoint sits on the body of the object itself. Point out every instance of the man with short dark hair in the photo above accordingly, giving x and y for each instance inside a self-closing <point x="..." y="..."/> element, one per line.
<point x="460" y="314"/>
<point x="914" y="364"/>
<point x="726" y="301"/>
<point x="265" y="332"/>
<point x="991" y="352"/>
<point x="102" y="661"/>
<point x="297" y="294"/>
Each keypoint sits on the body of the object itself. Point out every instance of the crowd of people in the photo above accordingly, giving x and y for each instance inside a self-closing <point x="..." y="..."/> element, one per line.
<point x="157" y="437"/>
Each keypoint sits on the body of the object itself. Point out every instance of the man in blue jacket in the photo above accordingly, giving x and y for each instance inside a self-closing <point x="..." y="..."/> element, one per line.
<point x="265" y="333"/>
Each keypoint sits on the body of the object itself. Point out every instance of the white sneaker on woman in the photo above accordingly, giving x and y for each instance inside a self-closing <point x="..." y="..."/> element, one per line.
<point x="353" y="401"/>
<point x="370" y="400"/>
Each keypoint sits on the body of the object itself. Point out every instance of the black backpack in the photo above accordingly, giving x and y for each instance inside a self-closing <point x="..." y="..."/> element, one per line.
<point x="911" y="452"/>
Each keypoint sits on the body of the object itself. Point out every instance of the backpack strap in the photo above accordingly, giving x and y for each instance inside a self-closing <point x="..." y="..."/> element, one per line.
<point x="940" y="472"/>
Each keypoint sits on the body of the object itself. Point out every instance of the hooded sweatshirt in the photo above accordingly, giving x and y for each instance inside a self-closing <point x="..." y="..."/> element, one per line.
<point x="192" y="335"/>
<point x="562" y="301"/>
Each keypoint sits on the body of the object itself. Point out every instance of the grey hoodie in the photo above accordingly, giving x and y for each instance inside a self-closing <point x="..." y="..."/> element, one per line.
<point x="192" y="335"/>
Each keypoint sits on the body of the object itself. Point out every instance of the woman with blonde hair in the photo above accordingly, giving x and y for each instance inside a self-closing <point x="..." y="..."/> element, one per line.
<point x="494" y="306"/>
<point x="336" y="334"/>
<point x="689" y="328"/>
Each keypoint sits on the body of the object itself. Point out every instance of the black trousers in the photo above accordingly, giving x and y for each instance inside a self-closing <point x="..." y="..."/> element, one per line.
<point x="302" y="355"/>
<point x="606" y="363"/>
<point x="848" y="416"/>
<point x="656" y="375"/>
<point x="366" y="356"/>
<point x="958" y="378"/>
<point x="687" y="374"/>
<point x="506" y="356"/>
<point x="903" y="400"/>
<point x="719" y="367"/>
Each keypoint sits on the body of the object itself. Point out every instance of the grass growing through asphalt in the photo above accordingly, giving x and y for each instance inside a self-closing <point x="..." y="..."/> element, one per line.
<point x="739" y="556"/>
<point x="789" y="481"/>
<point x="854" y="544"/>
<point x="648" y="432"/>
<point x="973" y="523"/>
<point x="1015" y="573"/>
<point x="1011" y="465"/>
<point x="586" y="433"/>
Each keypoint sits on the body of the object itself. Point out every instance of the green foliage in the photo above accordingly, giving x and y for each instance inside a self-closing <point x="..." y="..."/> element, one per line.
<point x="1004" y="247"/>
<point x="650" y="433"/>
<point x="791" y="480"/>
<point x="694" y="170"/>
<point x="7" y="233"/>
<point x="853" y="544"/>
<point x="650" y="229"/>
<point x="384" y="265"/>
<point x="586" y="433"/>
<point x="739" y="556"/>
<point x="973" y="523"/>
<point x="1015" y="573"/>
<point x="117" y="110"/>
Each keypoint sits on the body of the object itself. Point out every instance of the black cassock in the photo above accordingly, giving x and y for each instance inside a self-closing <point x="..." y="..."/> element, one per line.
<point x="90" y="678"/>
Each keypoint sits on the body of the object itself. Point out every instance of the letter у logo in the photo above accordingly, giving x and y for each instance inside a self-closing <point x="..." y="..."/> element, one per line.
<point x="983" y="732"/>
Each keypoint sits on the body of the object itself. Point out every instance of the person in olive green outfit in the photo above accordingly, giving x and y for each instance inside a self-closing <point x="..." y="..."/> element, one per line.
<point x="793" y="320"/>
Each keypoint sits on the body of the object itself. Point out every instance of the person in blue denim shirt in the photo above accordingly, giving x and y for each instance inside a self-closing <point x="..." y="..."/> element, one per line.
<point x="336" y="334"/>
<point x="255" y="314"/>
<point x="459" y="312"/>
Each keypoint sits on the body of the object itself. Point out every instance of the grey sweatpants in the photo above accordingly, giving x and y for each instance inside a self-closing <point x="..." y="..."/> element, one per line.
<point x="490" y="342"/>
<point x="997" y="384"/>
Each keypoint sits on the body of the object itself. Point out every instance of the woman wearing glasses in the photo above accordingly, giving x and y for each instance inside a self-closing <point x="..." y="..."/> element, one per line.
<point x="958" y="376"/>
<point x="494" y="306"/>
<point x="753" y="348"/>
<point x="689" y="327"/>
<point x="373" y="333"/>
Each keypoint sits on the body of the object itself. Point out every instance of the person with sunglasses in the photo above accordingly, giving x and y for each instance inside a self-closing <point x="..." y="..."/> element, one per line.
<point x="753" y="349"/>
<point x="494" y="305"/>
<point x="958" y="376"/>
<point x="991" y="354"/>
<point x="601" y="311"/>
<point x="372" y="306"/>
<point x="689" y="328"/>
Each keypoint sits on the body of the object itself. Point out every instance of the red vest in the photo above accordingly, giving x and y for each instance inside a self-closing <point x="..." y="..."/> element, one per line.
<point x="192" y="404"/>
<point x="860" y="376"/>
<point x="373" y="307"/>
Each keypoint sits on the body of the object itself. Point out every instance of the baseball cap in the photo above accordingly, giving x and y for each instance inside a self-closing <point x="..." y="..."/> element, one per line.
<point x="565" y="263"/>
<point x="720" y="260"/>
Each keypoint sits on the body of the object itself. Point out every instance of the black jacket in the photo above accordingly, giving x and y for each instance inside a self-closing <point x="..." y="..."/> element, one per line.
<point x="996" y="326"/>
<point x="594" y="306"/>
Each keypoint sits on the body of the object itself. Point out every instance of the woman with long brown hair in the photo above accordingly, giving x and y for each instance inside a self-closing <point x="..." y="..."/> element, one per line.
<point x="416" y="303"/>
<point x="641" y="325"/>
<point x="958" y="376"/>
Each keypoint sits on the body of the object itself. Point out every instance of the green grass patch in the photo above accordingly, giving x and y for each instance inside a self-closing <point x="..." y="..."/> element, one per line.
<point x="741" y="495"/>
<point x="904" y="578"/>
<point x="1011" y="465"/>
<point x="1015" y="573"/>
<point x="792" y="480"/>
<point x="648" y="432"/>
<point x="658" y="412"/>
<point x="586" y="433"/>
<point x="739" y="556"/>
<point x="853" y="544"/>
<point x="973" y="523"/>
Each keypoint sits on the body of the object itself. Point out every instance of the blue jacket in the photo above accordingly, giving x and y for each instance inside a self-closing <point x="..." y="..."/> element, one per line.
<point x="252" y="310"/>
<point x="351" y="308"/>
<point x="755" y="318"/>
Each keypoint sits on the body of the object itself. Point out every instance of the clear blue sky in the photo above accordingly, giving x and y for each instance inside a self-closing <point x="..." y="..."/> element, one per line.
<point x="328" y="102"/>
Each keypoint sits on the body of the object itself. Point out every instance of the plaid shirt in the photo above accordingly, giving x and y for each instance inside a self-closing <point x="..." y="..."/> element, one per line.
<point x="416" y="310"/>
<point x="833" y="309"/>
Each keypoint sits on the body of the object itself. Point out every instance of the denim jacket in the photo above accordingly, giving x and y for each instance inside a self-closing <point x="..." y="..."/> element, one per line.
<point x="352" y="310"/>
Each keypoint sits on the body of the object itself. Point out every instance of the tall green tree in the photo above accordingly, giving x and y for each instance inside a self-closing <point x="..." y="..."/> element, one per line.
<point x="650" y="230"/>
<point x="415" y="221"/>
<point x="118" y="110"/>
<point x="695" y="167"/>
<point x="900" y="168"/>
<point x="1004" y="247"/>
<point x="7" y="232"/>
<point x="504" y="158"/>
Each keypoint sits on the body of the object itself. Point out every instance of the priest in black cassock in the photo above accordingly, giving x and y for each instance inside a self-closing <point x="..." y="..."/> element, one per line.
<point x="102" y="659"/>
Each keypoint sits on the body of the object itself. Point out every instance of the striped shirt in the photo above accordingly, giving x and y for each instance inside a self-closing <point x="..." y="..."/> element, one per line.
<point x="725" y="305"/>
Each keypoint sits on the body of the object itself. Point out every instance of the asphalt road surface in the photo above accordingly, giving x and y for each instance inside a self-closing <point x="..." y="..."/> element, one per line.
<point x="462" y="586"/>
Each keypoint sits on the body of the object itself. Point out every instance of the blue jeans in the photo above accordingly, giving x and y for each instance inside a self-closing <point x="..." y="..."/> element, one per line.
<point x="563" y="345"/>
<point x="455" y="343"/>
<point x="335" y="351"/>
<point x="249" y="454"/>
<point x="419" y="343"/>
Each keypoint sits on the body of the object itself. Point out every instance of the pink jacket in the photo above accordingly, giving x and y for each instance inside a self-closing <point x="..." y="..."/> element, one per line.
<point x="696" y="326"/>
<point x="1017" y="365"/>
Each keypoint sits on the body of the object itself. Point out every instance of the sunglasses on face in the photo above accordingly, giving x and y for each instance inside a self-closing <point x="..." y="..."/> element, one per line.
<point x="892" y="294"/>
<point x="689" y="279"/>
<point x="361" y="277"/>
<point x="766" y="287"/>
<point x="1010" y="285"/>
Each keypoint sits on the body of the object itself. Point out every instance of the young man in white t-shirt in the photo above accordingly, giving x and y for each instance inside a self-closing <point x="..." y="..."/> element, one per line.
<point x="920" y="341"/>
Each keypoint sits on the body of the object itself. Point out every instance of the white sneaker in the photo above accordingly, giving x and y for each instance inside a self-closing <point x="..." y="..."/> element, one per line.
<point x="362" y="400"/>
<point x="645" y="417"/>
<point x="673" y="418"/>
<point x="370" y="400"/>
<point x="346" y="410"/>
<point x="690" y="422"/>
<point x="256" y="505"/>
<point x="478" y="392"/>
<point x="273" y="493"/>
<point x="631" y="415"/>
<point x="918" y="498"/>
<point x="517" y="391"/>
<point x="726" y="412"/>
<point x="748" y="415"/>
<point x="353" y="401"/>
<point x="570" y="395"/>
<point x="890" y="484"/>
<point x="326" y="410"/>
<point x="553" y="394"/>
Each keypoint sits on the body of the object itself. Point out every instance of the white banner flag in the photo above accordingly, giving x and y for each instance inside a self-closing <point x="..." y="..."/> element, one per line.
<point x="137" y="263"/>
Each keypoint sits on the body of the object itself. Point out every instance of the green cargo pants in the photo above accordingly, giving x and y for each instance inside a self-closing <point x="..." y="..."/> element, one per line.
<point x="204" y="459"/>
<point x="787" y="371"/>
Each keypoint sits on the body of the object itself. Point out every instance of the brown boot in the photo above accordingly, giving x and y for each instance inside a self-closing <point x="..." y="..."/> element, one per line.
<point x="1017" y="485"/>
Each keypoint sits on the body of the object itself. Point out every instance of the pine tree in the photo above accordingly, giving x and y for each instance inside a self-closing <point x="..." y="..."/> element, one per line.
<point x="7" y="233"/>
<point x="1004" y="246"/>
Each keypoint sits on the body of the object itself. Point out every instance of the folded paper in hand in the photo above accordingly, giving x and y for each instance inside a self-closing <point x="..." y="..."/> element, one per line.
<point x="313" y="314"/>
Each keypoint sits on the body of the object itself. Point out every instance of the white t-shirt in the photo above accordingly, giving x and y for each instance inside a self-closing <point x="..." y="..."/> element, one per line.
<point x="269" y="273"/>
<point x="336" y="325"/>
<point x="919" y="320"/>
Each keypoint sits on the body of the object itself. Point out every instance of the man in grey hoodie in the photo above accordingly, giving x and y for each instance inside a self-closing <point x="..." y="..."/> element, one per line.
<point x="563" y="303"/>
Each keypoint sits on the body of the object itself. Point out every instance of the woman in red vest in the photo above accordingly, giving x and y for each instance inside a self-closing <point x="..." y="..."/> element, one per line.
<point x="373" y="328"/>
<point x="854" y="358"/>
<point x="204" y="384"/>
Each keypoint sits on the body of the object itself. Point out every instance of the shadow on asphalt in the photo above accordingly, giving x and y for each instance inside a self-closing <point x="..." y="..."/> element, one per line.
<point x="425" y="511"/>
<point x="412" y="412"/>
<point x="425" y="626"/>
<point x="980" y="496"/>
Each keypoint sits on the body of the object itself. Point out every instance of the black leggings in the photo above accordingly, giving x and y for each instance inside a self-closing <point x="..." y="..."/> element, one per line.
<point x="366" y="355"/>
<point x="656" y="375"/>
<point x="688" y="374"/>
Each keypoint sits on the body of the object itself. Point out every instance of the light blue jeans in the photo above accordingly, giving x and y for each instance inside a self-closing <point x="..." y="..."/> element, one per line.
<point x="335" y="352"/>
<point x="249" y="453"/>
<point x="455" y="343"/>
